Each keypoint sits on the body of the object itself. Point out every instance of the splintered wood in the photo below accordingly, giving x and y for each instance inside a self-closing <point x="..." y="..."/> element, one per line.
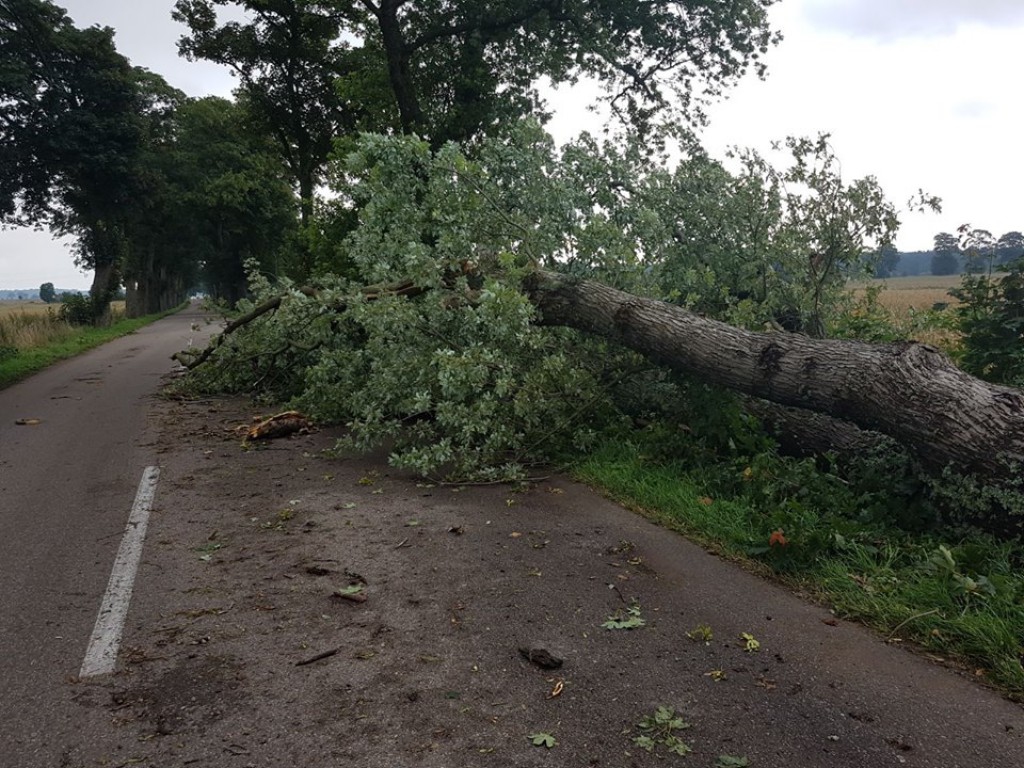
<point x="281" y="425"/>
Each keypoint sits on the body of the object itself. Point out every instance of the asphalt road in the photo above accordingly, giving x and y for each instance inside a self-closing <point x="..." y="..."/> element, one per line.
<point x="66" y="487"/>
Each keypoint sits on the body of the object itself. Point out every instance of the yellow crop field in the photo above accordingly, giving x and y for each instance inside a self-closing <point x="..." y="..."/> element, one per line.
<point x="30" y="326"/>
<point x="920" y="292"/>
<point x="908" y="300"/>
<point x="28" y="307"/>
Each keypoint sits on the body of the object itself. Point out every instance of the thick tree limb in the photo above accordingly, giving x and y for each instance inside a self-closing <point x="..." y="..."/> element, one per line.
<point x="805" y="433"/>
<point x="370" y="293"/>
<point x="908" y="391"/>
<point x="256" y="312"/>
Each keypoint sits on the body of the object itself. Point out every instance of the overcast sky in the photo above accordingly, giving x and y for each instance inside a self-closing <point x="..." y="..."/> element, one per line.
<point x="919" y="93"/>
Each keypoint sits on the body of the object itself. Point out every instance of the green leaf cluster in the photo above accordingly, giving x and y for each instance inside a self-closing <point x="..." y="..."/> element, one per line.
<point x="631" y="619"/>
<point x="458" y="375"/>
<point x="661" y="729"/>
<point x="991" y="314"/>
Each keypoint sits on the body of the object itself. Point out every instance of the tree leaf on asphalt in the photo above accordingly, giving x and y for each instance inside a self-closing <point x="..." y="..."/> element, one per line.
<point x="542" y="740"/>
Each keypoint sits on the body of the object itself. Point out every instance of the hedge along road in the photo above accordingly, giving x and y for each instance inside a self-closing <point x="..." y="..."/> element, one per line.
<point x="75" y="451"/>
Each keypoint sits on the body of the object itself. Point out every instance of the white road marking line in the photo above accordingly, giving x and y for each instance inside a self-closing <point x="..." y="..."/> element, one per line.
<point x="101" y="655"/>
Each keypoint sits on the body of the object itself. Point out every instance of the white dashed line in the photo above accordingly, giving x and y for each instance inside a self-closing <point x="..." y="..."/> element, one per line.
<point x="101" y="655"/>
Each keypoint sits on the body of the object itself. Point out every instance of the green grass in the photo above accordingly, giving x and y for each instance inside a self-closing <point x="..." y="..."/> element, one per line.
<point x="967" y="607"/>
<point x="16" y="365"/>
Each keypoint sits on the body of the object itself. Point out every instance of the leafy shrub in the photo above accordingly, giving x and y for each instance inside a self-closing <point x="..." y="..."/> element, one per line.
<point x="992" y="320"/>
<point x="77" y="308"/>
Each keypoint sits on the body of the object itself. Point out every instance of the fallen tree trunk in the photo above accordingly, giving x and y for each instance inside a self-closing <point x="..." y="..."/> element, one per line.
<point x="908" y="391"/>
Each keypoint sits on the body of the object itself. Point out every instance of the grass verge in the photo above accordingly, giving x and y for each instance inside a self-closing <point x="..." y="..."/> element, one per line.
<point x="16" y="365"/>
<point x="959" y="598"/>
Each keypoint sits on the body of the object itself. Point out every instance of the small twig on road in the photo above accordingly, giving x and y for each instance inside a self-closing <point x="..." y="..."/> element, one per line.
<point x="615" y="589"/>
<point x="318" y="657"/>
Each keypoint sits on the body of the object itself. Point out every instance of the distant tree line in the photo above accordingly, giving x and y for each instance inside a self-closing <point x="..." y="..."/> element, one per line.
<point x="970" y="251"/>
<point x="162" y="193"/>
<point x="42" y="293"/>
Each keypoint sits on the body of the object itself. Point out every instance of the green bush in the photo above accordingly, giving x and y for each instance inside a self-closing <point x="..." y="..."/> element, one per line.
<point x="77" y="308"/>
<point x="992" y="321"/>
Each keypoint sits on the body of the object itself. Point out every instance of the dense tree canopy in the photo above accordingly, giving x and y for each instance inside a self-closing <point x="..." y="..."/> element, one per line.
<point x="467" y="228"/>
<point x="155" y="188"/>
<point x="230" y="199"/>
<point x="71" y="131"/>
<point x="458" y="68"/>
<point x="288" y="58"/>
<point x="316" y="70"/>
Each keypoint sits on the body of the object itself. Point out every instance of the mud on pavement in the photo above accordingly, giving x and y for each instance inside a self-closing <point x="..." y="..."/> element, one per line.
<point x="294" y="609"/>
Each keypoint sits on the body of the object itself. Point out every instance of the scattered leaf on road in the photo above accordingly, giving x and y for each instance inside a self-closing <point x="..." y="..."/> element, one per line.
<point x="542" y="740"/>
<point x="353" y="593"/>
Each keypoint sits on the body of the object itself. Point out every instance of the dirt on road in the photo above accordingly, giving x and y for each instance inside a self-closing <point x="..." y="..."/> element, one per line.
<point x="298" y="609"/>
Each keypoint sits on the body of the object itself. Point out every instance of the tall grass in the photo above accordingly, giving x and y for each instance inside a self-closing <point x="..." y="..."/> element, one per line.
<point x="23" y="330"/>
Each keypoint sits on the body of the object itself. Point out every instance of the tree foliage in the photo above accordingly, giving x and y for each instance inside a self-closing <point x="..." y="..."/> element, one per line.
<point x="946" y="254"/>
<point x="457" y="69"/>
<point x="288" y="57"/>
<point x="459" y="372"/>
<point x="70" y="132"/>
<point x="991" y="313"/>
<point x="314" y="70"/>
<point x="217" y="196"/>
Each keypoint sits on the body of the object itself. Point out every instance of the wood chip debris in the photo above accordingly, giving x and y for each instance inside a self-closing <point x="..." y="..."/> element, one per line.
<point x="281" y="425"/>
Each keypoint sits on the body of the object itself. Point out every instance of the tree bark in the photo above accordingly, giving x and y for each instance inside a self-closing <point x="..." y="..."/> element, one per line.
<point x="104" y="285"/>
<point x="807" y="434"/>
<point x="908" y="391"/>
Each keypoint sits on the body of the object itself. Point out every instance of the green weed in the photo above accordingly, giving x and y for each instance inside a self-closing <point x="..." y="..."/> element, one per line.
<point x="661" y="728"/>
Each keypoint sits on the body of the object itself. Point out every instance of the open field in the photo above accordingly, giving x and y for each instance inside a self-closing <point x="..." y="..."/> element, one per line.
<point x="920" y="292"/>
<point x="918" y="307"/>
<point x="33" y="335"/>
<point x="32" y="338"/>
<point x="40" y="307"/>
<point x="27" y="307"/>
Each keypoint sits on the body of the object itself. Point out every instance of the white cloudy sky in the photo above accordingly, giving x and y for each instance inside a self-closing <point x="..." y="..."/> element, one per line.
<point x="920" y="93"/>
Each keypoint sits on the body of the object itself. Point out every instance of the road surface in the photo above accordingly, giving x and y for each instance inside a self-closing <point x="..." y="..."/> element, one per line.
<point x="66" y="487"/>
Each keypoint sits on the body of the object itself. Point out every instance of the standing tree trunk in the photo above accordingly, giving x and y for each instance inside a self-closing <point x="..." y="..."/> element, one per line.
<point x="104" y="286"/>
<point x="410" y="114"/>
<point x="908" y="391"/>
